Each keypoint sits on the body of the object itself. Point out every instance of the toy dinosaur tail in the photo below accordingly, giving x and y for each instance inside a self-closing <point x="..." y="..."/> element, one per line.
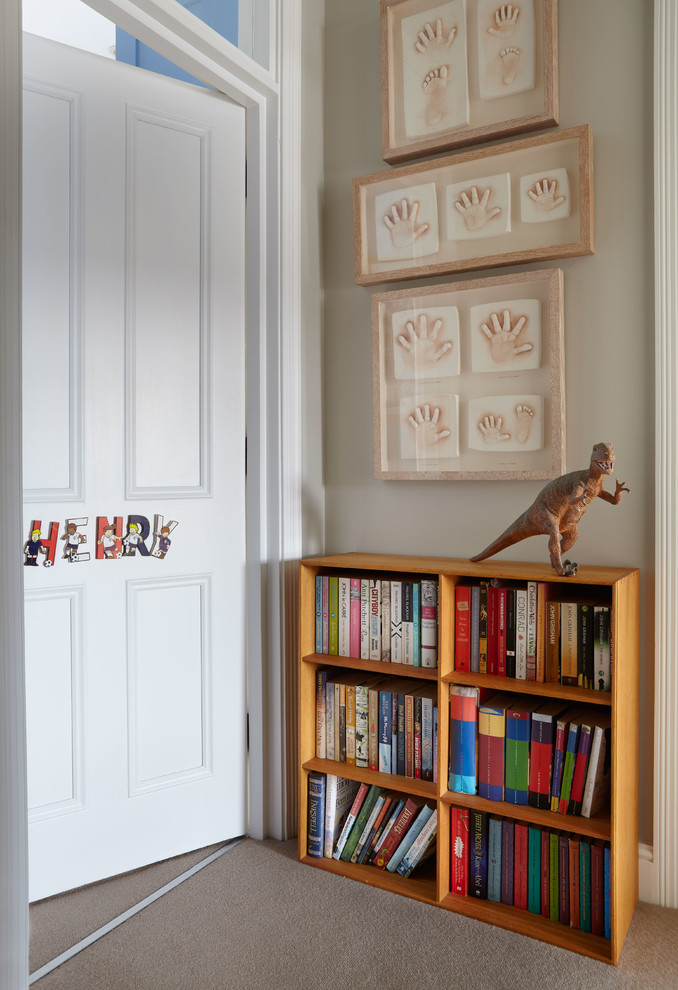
<point x="517" y="531"/>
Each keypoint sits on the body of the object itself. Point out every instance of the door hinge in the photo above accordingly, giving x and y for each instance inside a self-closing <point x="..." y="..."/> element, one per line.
<point x="247" y="731"/>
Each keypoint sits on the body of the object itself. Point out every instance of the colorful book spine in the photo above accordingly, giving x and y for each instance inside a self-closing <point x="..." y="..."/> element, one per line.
<point x="416" y="623"/>
<point x="344" y="617"/>
<point x="491" y="742"/>
<point x="579" y="773"/>
<point x="534" y="870"/>
<point x="423" y="846"/>
<point x="502" y="599"/>
<point x="320" y="713"/>
<point x="330" y="734"/>
<point x="517" y="774"/>
<point x="354" y="618"/>
<point x="507" y="861"/>
<point x="339" y="796"/>
<point x="552" y="650"/>
<point x="373" y="725"/>
<point x="568" y="767"/>
<point x="475" y="628"/>
<point x="350" y="725"/>
<point x="520" y="866"/>
<point x="562" y="726"/>
<point x="396" y="622"/>
<point x="385" y="732"/>
<point x="326" y="614"/>
<point x="597" y="890"/>
<point x="554" y="886"/>
<point x="316" y="814"/>
<point x="531" y="630"/>
<point x="585" y="885"/>
<point x="408" y="839"/>
<point x="540" y="642"/>
<point x="463" y="733"/>
<point x="564" y="880"/>
<point x="386" y="621"/>
<point x="375" y="619"/>
<point x="545" y="874"/>
<point x="492" y="628"/>
<point x="362" y="725"/>
<point x="319" y="614"/>
<point x="494" y="860"/>
<point x="542" y="741"/>
<point x="601" y="648"/>
<point x="365" y="619"/>
<point x="585" y="636"/>
<point x="597" y="786"/>
<point x="460" y="850"/>
<point x="367" y="828"/>
<point x="360" y="822"/>
<point x="574" y="881"/>
<point x="483" y="627"/>
<point x="478" y="853"/>
<point x="429" y="622"/>
<point x="376" y="829"/>
<point x="462" y="635"/>
<point x="510" y="632"/>
<point x="521" y="634"/>
<point x="333" y="624"/>
<point x="407" y="623"/>
<point x="568" y="644"/>
<point x="396" y="834"/>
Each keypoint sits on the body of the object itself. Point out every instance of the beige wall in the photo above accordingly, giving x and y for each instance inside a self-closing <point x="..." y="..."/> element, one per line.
<point x="605" y="51"/>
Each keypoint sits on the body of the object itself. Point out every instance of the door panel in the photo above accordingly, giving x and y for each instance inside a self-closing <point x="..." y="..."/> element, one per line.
<point x="134" y="434"/>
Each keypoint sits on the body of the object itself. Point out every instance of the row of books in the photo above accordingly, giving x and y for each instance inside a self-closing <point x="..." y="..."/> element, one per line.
<point x="377" y="619"/>
<point x="559" y="875"/>
<point x="524" y="632"/>
<point x="526" y="750"/>
<point x="359" y="823"/>
<point x="388" y="724"/>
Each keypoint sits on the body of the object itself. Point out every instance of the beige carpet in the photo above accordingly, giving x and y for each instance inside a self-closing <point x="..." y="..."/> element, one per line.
<point x="255" y="918"/>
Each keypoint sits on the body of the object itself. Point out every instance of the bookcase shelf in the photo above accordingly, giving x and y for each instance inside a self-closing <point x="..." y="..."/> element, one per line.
<point x="616" y="826"/>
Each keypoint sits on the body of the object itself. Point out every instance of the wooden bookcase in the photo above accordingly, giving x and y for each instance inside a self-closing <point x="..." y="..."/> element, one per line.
<point x="618" y="826"/>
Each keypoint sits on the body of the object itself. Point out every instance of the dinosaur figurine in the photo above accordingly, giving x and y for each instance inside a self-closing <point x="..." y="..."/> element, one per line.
<point x="559" y="506"/>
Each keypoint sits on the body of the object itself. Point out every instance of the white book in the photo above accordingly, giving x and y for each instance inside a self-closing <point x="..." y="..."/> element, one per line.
<point x="521" y="634"/>
<point x="344" y="612"/>
<point x="365" y="619"/>
<point x="419" y="846"/>
<point x="375" y="620"/>
<point x="339" y="796"/>
<point x="531" y="630"/>
<point x="386" y="620"/>
<point x="396" y="622"/>
<point x="597" y="785"/>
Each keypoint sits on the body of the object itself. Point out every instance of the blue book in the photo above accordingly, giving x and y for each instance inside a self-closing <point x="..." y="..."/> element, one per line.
<point x="316" y="814"/>
<point x="384" y="732"/>
<point x="416" y="623"/>
<point x="463" y="733"/>
<point x="534" y="870"/>
<point x="477" y="880"/>
<point x="507" y="863"/>
<point x="607" y="891"/>
<point x="494" y="860"/>
<point x="517" y="766"/>
<point x="409" y="837"/>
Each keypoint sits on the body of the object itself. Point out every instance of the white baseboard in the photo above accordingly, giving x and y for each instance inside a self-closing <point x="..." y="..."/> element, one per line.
<point x="647" y="874"/>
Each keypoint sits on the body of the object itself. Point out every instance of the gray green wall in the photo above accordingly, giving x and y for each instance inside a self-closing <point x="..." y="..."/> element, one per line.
<point x="605" y="55"/>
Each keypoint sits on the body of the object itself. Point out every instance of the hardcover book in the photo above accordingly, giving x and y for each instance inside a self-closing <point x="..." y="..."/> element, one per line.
<point x="339" y="796"/>
<point x="375" y="620"/>
<point x="531" y="630"/>
<point x="520" y="866"/>
<point x="483" y="628"/>
<point x="568" y="644"/>
<point x="510" y="632"/>
<point x="397" y="833"/>
<point x="564" y="877"/>
<point x="554" y="870"/>
<point x="542" y="742"/>
<point x="460" y="850"/>
<point x="360" y="822"/>
<point x="597" y="785"/>
<point x="463" y="730"/>
<point x="408" y="839"/>
<point x="507" y="861"/>
<point x="462" y="636"/>
<point x="494" y="860"/>
<point x="534" y="869"/>
<point x="545" y="874"/>
<point x="478" y="853"/>
<point x="601" y="647"/>
<point x="585" y="885"/>
<point x="429" y="622"/>
<point x="517" y="774"/>
<point x="350" y="820"/>
<point x="316" y="814"/>
<point x="423" y="846"/>
<point x="574" y="882"/>
<point x="552" y="649"/>
<point x="491" y="741"/>
<point x="521" y="634"/>
<point x="475" y="628"/>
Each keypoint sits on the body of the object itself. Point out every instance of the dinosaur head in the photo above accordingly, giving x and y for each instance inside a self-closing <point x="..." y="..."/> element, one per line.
<point x="602" y="458"/>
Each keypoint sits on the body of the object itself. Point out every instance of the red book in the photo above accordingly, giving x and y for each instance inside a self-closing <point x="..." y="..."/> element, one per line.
<point x="460" y="851"/>
<point x="520" y="866"/>
<point x="397" y="833"/>
<point x="501" y="632"/>
<point x="462" y="632"/>
<point x="597" y="890"/>
<point x="580" y="767"/>
<point x="492" y="628"/>
<point x="574" y="883"/>
<point x="545" y="874"/>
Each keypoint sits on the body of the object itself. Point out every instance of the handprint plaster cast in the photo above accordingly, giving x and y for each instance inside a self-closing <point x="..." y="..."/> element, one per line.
<point x="475" y="210"/>
<point x="503" y="338"/>
<point x="423" y="345"/>
<point x="505" y="20"/>
<point x="426" y="431"/>
<point x="438" y="42"/>
<point x="545" y="196"/>
<point x="490" y="428"/>
<point x="403" y="226"/>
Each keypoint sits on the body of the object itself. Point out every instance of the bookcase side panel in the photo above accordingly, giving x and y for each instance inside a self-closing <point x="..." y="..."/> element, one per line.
<point x="624" y="766"/>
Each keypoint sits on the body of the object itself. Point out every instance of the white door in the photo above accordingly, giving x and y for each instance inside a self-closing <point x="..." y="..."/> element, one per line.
<point x="133" y="395"/>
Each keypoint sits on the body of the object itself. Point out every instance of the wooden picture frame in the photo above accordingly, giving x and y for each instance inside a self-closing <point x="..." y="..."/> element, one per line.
<point x="460" y="72"/>
<point x="522" y="201"/>
<point x="468" y="380"/>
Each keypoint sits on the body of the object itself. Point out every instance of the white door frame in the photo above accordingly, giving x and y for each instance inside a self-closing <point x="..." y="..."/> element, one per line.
<point x="274" y="454"/>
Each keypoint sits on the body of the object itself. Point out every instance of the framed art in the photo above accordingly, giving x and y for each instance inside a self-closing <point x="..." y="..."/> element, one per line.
<point x="468" y="380"/>
<point x="522" y="201"/>
<point x="461" y="72"/>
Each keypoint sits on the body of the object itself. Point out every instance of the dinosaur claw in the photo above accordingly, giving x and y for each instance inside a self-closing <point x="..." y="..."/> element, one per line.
<point x="569" y="568"/>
